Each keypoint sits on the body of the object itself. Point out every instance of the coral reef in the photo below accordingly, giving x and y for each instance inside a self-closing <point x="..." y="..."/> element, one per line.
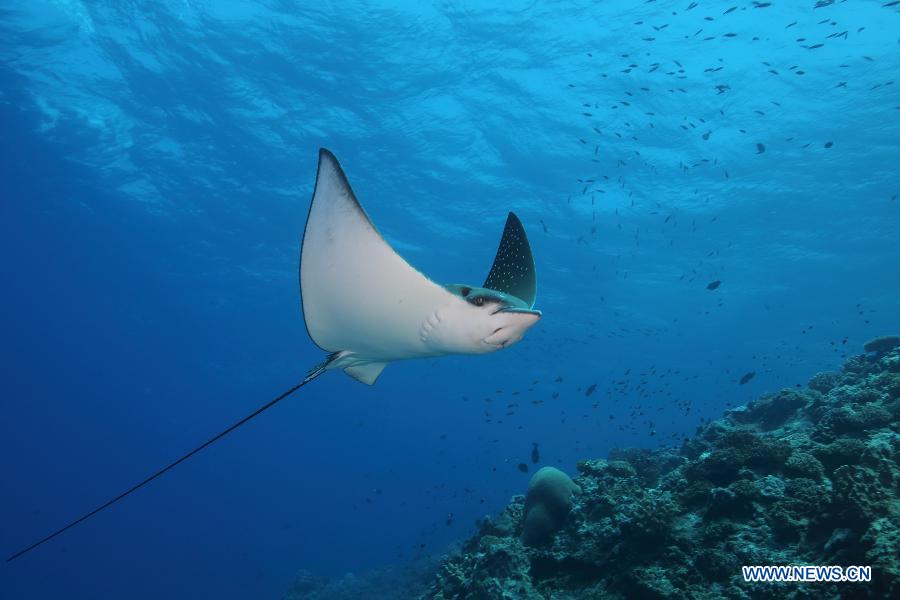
<point x="799" y="477"/>
<point x="547" y="504"/>
<point x="882" y="345"/>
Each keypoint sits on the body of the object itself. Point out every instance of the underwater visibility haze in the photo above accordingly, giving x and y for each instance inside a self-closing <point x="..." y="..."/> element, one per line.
<point x="700" y="197"/>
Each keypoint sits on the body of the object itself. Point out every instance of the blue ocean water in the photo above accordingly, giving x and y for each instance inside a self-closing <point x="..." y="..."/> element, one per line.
<point x="156" y="165"/>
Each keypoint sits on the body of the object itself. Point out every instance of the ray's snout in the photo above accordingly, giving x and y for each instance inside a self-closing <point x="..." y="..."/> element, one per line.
<point x="511" y="326"/>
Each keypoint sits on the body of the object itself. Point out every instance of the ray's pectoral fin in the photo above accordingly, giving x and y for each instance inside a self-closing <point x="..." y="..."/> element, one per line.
<point x="362" y="301"/>
<point x="513" y="270"/>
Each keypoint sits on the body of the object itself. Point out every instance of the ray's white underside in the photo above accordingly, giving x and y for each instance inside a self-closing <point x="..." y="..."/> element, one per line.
<point x="359" y="296"/>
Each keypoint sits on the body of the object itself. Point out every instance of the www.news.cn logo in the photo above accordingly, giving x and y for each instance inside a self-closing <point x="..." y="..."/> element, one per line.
<point x="807" y="574"/>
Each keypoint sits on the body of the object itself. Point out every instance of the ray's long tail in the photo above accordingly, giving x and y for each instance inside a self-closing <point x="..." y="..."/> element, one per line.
<point x="315" y="372"/>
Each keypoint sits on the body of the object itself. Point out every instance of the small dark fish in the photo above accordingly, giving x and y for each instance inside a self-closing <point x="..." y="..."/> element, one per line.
<point x="760" y="148"/>
<point x="544" y="225"/>
<point x="747" y="377"/>
<point x="713" y="284"/>
<point x="590" y="389"/>
<point x="522" y="467"/>
<point x="535" y="454"/>
<point x="829" y="144"/>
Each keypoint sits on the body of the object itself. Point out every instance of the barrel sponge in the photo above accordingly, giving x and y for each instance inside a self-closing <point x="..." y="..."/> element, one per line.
<point x="547" y="502"/>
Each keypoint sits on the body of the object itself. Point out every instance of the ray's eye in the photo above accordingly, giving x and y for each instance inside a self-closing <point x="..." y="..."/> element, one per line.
<point x="477" y="300"/>
<point x="482" y="300"/>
